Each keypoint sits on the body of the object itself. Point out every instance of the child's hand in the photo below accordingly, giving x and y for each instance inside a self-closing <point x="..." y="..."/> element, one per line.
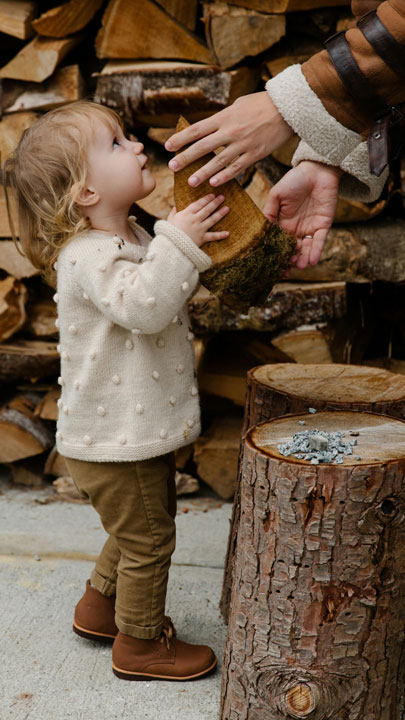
<point x="196" y="219"/>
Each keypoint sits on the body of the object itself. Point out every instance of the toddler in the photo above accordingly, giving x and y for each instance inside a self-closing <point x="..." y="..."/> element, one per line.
<point x="128" y="387"/>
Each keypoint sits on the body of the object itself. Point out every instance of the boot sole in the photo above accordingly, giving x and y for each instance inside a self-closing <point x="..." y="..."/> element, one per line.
<point x="91" y="635"/>
<point x="127" y="675"/>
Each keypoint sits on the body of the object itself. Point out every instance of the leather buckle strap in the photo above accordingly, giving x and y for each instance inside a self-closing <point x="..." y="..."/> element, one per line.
<point x="384" y="44"/>
<point x="353" y="79"/>
<point x="385" y="141"/>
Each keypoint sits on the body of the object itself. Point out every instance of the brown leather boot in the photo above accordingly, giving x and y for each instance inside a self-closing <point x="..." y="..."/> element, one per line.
<point x="164" y="658"/>
<point x="94" y="616"/>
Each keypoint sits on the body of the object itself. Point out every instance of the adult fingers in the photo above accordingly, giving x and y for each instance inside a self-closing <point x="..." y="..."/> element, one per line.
<point x="272" y="206"/>
<point x="193" y="132"/>
<point x="214" y="165"/>
<point x="305" y="250"/>
<point x="317" y="246"/>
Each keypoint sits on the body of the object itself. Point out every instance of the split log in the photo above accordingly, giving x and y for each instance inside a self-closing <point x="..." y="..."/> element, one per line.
<point x="289" y="53"/>
<point x="13" y="296"/>
<point x="144" y="30"/>
<point x="316" y="624"/>
<point x="391" y="364"/>
<point x="287" y="307"/>
<point x="184" y="11"/>
<point x="22" y="434"/>
<point x="247" y="264"/>
<point x="16" y="18"/>
<point x="41" y="316"/>
<point x="11" y="129"/>
<point x="12" y="262"/>
<point x="38" y="60"/>
<point x="216" y="455"/>
<point x="275" y="390"/>
<point x="306" y="344"/>
<point x="234" y="33"/>
<point x="47" y="408"/>
<point x="56" y="464"/>
<point x="155" y="93"/>
<point x="282" y="6"/>
<point x="227" y="359"/>
<point x="29" y="359"/>
<point x="29" y="472"/>
<point x="66" y="19"/>
<point x="65" y="86"/>
<point x="357" y="253"/>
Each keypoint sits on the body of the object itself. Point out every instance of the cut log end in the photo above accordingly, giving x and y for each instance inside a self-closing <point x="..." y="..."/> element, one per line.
<point x="380" y="439"/>
<point x="256" y="254"/>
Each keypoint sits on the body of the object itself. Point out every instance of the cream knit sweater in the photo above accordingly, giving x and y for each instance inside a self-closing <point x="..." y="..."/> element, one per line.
<point x="127" y="358"/>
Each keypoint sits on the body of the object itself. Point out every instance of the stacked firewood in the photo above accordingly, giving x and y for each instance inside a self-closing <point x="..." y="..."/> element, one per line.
<point x="153" y="60"/>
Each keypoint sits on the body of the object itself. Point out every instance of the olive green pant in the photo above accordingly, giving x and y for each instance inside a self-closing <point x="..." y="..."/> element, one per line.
<point x="136" y="502"/>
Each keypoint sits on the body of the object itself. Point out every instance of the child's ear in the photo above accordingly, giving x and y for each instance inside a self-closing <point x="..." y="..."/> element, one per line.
<point x="85" y="197"/>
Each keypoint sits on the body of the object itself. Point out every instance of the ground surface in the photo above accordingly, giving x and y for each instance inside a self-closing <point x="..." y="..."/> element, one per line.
<point x="47" y="549"/>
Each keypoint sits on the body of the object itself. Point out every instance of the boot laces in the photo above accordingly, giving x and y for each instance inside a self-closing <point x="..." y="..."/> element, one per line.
<point x="168" y="631"/>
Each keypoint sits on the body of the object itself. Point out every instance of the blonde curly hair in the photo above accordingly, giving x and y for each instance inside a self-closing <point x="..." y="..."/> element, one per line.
<point x="46" y="174"/>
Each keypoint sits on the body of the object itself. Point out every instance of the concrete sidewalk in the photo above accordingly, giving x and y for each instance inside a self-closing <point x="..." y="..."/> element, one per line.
<point x="47" y="550"/>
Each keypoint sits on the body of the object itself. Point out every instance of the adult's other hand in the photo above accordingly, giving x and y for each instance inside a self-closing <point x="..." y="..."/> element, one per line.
<point x="304" y="203"/>
<point x="248" y="130"/>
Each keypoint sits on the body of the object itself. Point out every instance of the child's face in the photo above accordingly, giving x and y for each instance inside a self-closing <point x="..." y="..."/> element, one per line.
<point x="117" y="167"/>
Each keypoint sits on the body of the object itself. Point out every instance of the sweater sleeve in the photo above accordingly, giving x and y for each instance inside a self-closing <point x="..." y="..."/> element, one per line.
<point x="326" y="84"/>
<point x="140" y="296"/>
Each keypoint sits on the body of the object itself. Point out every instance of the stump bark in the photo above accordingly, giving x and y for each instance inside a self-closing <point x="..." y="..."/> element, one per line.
<point x="316" y="624"/>
<point x="279" y="389"/>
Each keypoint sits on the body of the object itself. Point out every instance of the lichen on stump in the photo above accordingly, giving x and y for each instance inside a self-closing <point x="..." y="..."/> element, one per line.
<point x="255" y="256"/>
<point x="316" y="624"/>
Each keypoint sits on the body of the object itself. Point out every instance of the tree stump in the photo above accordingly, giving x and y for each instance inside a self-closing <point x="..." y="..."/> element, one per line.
<point x="279" y="389"/>
<point x="316" y="624"/>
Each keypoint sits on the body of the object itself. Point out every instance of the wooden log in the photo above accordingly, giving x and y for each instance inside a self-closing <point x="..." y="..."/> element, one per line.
<point x="144" y="30"/>
<point x="290" y="305"/>
<point x="289" y="53"/>
<point x="226" y="360"/>
<point x="13" y="296"/>
<point x="160" y="135"/>
<point x="22" y="434"/>
<point x="275" y="390"/>
<point x="234" y="33"/>
<point x="316" y="624"/>
<point x="38" y="59"/>
<point x="306" y="344"/>
<point x="65" y="86"/>
<point x="11" y="261"/>
<point x="47" y="408"/>
<point x="156" y="92"/>
<point x="361" y="252"/>
<point x="16" y="18"/>
<point x="247" y="264"/>
<point x="56" y="464"/>
<point x="216" y="455"/>
<point x="11" y="129"/>
<point x="41" y="316"/>
<point x="66" y="19"/>
<point x="282" y="6"/>
<point x="184" y="11"/>
<point x="28" y="472"/>
<point x="28" y="359"/>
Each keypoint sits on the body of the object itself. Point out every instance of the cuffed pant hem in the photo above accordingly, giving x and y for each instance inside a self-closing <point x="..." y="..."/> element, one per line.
<point x="142" y="633"/>
<point x="106" y="587"/>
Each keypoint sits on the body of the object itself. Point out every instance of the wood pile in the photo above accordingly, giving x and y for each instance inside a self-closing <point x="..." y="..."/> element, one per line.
<point x="153" y="60"/>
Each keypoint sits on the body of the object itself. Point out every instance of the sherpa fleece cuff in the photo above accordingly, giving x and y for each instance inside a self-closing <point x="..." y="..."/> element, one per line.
<point x="303" y="111"/>
<point x="184" y="243"/>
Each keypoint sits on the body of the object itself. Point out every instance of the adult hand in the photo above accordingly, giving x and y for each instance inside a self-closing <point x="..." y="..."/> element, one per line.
<point x="249" y="129"/>
<point x="304" y="203"/>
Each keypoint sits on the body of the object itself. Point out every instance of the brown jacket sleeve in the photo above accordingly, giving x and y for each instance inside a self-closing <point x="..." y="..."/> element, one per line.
<point x="325" y="82"/>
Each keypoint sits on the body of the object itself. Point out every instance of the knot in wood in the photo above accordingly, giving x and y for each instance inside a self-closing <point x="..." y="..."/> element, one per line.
<point x="300" y="700"/>
<point x="387" y="510"/>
